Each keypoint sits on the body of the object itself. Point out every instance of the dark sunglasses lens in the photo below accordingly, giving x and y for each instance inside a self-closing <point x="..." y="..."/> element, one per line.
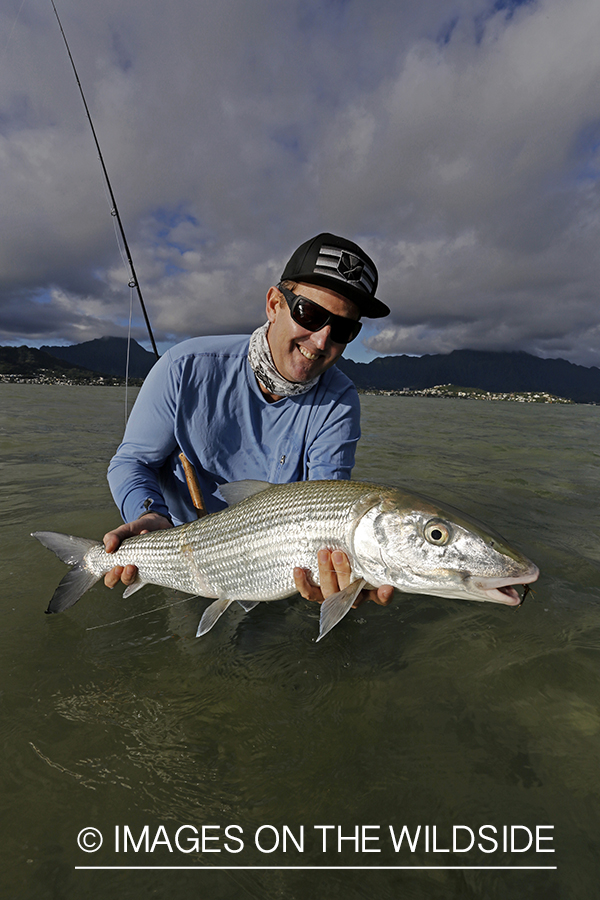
<point x="313" y="317"/>
<point x="344" y="331"/>
<point x="310" y="315"/>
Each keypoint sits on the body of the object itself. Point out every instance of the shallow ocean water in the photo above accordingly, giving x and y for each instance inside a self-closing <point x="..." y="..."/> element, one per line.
<point x="431" y="712"/>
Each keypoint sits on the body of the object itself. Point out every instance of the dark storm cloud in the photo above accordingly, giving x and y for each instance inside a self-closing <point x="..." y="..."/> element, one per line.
<point x="459" y="142"/>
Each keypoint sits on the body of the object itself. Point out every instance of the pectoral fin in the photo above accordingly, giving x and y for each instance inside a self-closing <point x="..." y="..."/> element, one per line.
<point x="335" y="607"/>
<point x="211" y="614"/>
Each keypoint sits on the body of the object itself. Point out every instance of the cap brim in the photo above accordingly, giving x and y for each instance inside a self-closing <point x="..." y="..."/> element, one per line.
<point x="369" y="306"/>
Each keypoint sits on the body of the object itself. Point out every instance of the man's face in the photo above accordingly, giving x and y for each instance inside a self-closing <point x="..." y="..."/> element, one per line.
<point x="300" y="355"/>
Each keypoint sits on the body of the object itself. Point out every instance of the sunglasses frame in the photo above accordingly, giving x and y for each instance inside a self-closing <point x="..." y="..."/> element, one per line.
<point x="293" y="300"/>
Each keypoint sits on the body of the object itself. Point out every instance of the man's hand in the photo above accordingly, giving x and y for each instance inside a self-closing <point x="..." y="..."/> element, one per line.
<point x="112" y="541"/>
<point x="334" y="575"/>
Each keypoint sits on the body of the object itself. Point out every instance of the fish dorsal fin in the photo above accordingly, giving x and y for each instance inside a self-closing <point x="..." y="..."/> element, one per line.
<point x="236" y="491"/>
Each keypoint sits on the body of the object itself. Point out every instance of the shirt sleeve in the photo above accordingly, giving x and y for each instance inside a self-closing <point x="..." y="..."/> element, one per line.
<point x="332" y="453"/>
<point x="149" y="440"/>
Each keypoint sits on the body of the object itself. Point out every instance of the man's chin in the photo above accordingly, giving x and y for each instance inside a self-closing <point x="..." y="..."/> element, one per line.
<point x="305" y="369"/>
<point x="304" y="374"/>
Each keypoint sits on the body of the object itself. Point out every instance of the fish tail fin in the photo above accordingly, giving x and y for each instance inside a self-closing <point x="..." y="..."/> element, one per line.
<point x="70" y="550"/>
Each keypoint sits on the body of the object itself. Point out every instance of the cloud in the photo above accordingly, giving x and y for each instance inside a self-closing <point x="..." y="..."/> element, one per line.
<point x="458" y="143"/>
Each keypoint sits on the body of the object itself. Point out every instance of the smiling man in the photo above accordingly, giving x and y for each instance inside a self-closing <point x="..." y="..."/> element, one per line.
<point x="271" y="407"/>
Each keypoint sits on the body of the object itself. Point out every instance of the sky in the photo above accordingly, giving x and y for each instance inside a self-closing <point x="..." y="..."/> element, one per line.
<point x="457" y="141"/>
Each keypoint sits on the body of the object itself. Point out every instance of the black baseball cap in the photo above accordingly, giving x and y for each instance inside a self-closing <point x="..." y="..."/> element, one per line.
<point x="338" y="264"/>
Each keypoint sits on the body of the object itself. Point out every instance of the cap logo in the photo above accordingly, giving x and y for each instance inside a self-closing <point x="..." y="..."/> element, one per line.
<point x="346" y="266"/>
<point x="350" y="267"/>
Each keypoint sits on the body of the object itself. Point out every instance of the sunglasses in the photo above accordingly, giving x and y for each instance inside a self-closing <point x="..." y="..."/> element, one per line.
<point x="313" y="317"/>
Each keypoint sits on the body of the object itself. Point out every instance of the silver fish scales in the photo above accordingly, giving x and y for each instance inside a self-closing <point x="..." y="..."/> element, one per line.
<point x="247" y="552"/>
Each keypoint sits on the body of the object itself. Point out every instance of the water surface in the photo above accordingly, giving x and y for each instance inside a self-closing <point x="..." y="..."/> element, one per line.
<point x="430" y="712"/>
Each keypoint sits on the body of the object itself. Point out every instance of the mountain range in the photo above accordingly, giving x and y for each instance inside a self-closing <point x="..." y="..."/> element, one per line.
<point x="489" y="371"/>
<point x="29" y="363"/>
<point x="107" y="356"/>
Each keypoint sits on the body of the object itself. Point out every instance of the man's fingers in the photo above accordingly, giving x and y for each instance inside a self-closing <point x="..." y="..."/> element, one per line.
<point x="305" y="586"/>
<point x="330" y="571"/>
<point x="382" y="596"/>
<point x="113" y="577"/>
<point x="335" y="573"/>
<point x="111" y="541"/>
<point x="153" y="522"/>
<point x="125" y="574"/>
<point x="343" y="569"/>
<point x="129" y="575"/>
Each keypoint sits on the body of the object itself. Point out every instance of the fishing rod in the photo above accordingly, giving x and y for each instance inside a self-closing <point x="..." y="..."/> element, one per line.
<point x="190" y="473"/>
<point x="133" y="283"/>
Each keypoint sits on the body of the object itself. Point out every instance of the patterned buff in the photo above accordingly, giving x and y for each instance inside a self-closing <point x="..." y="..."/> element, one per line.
<point x="259" y="357"/>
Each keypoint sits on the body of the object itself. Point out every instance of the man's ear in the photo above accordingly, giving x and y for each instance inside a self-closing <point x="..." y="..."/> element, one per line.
<point x="273" y="303"/>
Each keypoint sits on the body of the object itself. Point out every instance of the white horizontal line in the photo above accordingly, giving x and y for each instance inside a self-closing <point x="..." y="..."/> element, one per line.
<point x="313" y="868"/>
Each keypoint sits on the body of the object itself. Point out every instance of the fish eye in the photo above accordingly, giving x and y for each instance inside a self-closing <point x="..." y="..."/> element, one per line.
<point x="437" y="533"/>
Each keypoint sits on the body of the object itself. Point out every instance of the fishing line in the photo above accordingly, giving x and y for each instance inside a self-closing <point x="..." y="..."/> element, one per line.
<point x="190" y="474"/>
<point x="133" y="283"/>
<point x="128" y="354"/>
<point x="138" y="615"/>
<point x="124" y="261"/>
<point x="118" y="240"/>
<point x="13" y="27"/>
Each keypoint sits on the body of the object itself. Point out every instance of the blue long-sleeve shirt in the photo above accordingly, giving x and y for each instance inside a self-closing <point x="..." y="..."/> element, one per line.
<point x="202" y="398"/>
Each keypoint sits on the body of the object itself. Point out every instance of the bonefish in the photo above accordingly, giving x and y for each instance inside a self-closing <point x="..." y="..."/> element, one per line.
<point x="247" y="552"/>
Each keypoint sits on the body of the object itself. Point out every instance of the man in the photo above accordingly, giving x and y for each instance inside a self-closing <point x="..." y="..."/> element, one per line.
<point x="270" y="407"/>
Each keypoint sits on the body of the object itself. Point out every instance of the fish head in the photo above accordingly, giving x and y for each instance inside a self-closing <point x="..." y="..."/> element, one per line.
<point x="410" y="542"/>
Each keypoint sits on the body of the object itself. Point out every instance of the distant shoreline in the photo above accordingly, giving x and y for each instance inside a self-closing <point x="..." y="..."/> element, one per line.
<point x="516" y="377"/>
<point x="450" y="391"/>
<point x="446" y="391"/>
<point x="99" y="381"/>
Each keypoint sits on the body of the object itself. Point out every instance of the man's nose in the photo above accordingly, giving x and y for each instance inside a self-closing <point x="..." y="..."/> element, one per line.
<point x="321" y="338"/>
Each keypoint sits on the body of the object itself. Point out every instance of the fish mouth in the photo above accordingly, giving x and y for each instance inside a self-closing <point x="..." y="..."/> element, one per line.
<point x="502" y="590"/>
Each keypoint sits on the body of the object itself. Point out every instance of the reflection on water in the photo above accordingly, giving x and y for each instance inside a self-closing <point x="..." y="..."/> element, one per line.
<point x="430" y="712"/>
